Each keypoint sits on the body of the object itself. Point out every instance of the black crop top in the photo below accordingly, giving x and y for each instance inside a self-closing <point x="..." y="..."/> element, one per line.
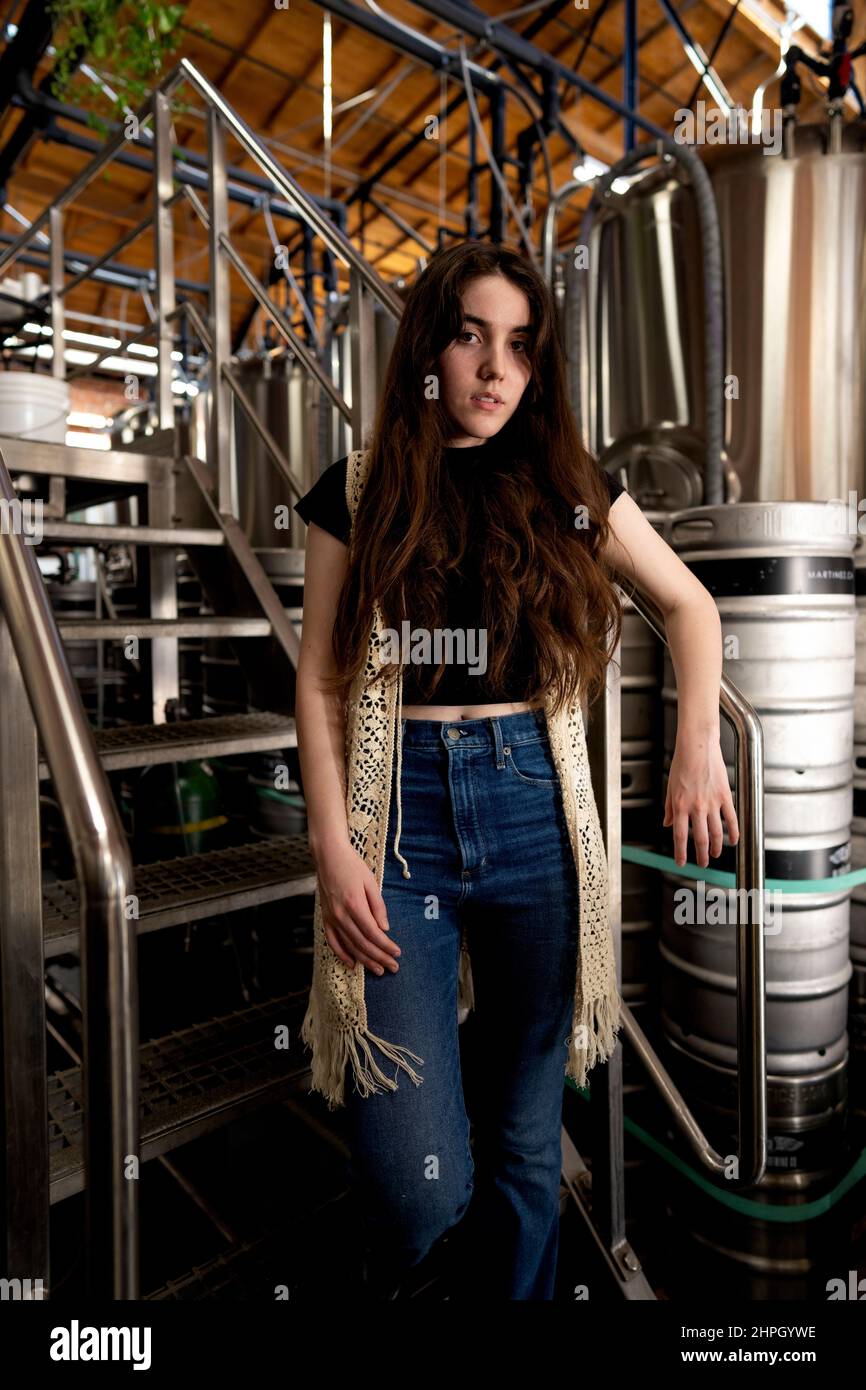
<point x="463" y="680"/>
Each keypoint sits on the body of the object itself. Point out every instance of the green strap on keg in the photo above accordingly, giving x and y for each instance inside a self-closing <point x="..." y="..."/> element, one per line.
<point x="746" y="1206"/>
<point x="284" y="798"/>
<point x="650" y="860"/>
<point x="808" y="1211"/>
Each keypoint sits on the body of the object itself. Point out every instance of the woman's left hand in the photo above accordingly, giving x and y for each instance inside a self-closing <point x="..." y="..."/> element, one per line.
<point x="698" y="791"/>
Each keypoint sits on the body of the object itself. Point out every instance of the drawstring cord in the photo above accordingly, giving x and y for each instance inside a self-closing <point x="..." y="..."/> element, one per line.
<point x="406" y="873"/>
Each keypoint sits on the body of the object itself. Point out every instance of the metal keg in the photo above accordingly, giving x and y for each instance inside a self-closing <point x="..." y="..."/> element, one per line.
<point x="860" y="663"/>
<point x="782" y="576"/>
<point x="857" y="991"/>
<point x="858" y="859"/>
<point x="807" y="974"/>
<point x="749" y="1257"/>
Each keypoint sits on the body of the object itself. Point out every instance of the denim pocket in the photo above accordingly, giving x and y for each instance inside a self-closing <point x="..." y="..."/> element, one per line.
<point x="532" y="762"/>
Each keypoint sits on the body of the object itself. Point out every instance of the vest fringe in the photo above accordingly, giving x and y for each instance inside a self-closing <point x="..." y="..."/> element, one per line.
<point x="334" y="1047"/>
<point x="593" y="1036"/>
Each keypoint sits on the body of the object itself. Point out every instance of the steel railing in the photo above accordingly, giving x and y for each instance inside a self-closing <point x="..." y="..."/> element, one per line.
<point x="751" y="1156"/>
<point x="108" y="938"/>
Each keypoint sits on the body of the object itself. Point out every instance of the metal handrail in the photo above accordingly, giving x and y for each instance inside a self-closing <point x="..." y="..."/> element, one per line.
<point x="103" y="869"/>
<point x="751" y="1157"/>
<point x="335" y="239"/>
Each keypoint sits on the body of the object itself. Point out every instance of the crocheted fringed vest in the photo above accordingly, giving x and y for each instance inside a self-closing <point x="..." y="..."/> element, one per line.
<point x="335" y="1024"/>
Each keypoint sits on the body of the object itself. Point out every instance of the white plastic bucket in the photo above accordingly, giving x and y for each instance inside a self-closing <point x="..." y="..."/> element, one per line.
<point x="33" y="407"/>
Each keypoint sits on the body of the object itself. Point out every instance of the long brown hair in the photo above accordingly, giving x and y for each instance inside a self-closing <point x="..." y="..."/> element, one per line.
<point x="413" y="520"/>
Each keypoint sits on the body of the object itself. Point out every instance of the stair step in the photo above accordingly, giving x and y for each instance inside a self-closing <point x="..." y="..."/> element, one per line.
<point x="113" y="471"/>
<point x="311" y="1250"/>
<point x="314" y="1255"/>
<point x="76" y="629"/>
<point x="193" y="886"/>
<point x="86" y="533"/>
<point x="191" y="1082"/>
<point x="143" y="745"/>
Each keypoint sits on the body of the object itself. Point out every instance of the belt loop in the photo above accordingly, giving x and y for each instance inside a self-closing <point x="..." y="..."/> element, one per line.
<point x="497" y="738"/>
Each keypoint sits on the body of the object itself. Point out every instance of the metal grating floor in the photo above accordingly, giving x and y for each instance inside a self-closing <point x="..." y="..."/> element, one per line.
<point x="191" y="1082"/>
<point x="248" y="1273"/>
<point x="139" y="745"/>
<point x="175" y="891"/>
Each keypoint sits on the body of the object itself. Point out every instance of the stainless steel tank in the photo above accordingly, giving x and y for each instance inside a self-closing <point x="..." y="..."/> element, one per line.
<point x="793" y="236"/>
<point x="274" y="388"/>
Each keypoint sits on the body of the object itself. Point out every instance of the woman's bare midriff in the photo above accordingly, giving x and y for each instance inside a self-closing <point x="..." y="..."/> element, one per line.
<point x="446" y="713"/>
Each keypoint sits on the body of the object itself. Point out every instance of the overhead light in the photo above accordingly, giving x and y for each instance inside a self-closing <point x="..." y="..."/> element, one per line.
<point x="87" y="420"/>
<point x="72" y="335"/>
<point x="78" y="357"/>
<point x="129" y="364"/>
<point x="592" y="168"/>
<point x="80" y="440"/>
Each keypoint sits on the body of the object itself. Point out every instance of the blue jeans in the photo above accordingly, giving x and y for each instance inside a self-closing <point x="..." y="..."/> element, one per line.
<point x="484" y="833"/>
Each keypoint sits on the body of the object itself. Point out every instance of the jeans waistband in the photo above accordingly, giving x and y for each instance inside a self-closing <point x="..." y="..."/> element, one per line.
<point x="490" y="731"/>
<point x="495" y="731"/>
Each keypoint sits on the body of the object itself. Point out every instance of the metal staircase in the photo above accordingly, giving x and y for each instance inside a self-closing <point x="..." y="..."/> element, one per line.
<point x="193" y="1081"/>
<point x="122" y="1103"/>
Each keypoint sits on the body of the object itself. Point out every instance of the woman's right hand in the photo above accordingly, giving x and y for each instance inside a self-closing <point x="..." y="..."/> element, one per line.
<point x="353" y="910"/>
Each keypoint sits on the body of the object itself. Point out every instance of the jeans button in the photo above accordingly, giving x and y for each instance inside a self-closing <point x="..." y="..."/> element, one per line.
<point x="453" y="733"/>
<point x="507" y="748"/>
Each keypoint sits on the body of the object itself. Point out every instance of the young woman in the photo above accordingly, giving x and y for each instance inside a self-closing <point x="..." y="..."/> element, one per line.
<point x="484" y="516"/>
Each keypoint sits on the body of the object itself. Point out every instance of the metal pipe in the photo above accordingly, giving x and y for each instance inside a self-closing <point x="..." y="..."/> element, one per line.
<point x="108" y="938"/>
<point x="630" y="60"/>
<point x="186" y="309"/>
<point x="708" y="76"/>
<point x="219" y="436"/>
<point x="107" y="255"/>
<point x="187" y="177"/>
<point x="162" y="217"/>
<point x="474" y="21"/>
<point x="751" y="984"/>
<point x="129" y="278"/>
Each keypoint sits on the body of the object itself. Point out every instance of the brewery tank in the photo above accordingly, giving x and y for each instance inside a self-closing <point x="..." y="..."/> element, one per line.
<point x="793" y="232"/>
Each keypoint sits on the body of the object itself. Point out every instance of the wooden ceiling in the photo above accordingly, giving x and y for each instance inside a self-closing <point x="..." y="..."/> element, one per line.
<point x="267" y="62"/>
